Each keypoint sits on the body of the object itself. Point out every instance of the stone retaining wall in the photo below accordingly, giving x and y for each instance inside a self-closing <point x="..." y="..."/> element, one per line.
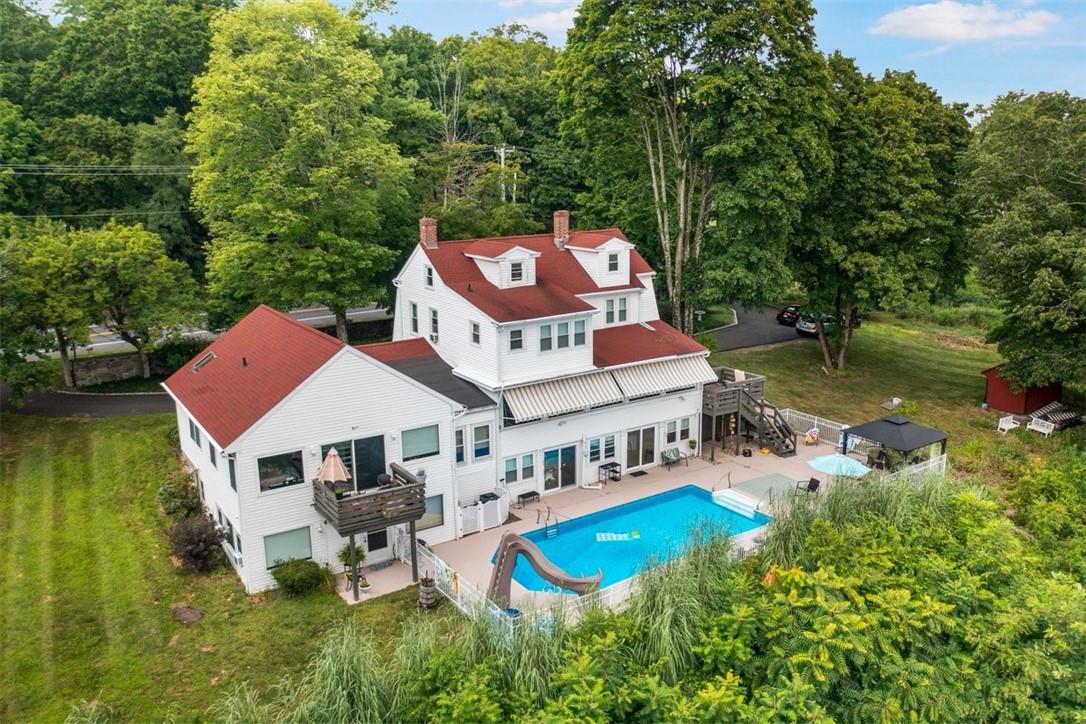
<point x="95" y="370"/>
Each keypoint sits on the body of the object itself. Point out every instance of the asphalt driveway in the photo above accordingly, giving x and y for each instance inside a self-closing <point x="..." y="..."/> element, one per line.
<point x="754" y="327"/>
<point x="62" y="404"/>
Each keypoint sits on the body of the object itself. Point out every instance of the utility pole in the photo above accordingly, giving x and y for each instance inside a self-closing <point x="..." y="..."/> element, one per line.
<point x="501" y="150"/>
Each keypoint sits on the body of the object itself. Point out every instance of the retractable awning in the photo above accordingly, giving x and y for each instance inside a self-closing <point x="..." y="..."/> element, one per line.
<point x="665" y="375"/>
<point x="558" y="397"/>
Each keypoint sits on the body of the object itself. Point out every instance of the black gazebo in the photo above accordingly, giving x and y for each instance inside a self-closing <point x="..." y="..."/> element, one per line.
<point x="897" y="433"/>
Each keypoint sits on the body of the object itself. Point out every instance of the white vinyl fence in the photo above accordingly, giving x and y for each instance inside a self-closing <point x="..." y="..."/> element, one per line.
<point x="800" y="422"/>
<point x="921" y="470"/>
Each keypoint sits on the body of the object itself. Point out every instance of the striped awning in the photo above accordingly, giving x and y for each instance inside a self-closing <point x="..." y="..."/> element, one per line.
<point x="558" y="397"/>
<point x="665" y="375"/>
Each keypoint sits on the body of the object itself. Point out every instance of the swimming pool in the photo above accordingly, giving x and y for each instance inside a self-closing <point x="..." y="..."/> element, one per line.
<point x="642" y="530"/>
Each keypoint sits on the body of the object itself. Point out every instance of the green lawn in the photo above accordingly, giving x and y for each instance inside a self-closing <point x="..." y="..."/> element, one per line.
<point x="136" y="384"/>
<point x="935" y="367"/>
<point x="717" y="315"/>
<point x="87" y="587"/>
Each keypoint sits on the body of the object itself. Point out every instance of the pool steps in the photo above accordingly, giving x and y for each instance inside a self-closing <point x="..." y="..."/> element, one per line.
<point x="736" y="502"/>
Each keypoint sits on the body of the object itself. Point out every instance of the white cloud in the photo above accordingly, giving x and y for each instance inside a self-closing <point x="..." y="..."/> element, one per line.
<point x="952" y="21"/>
<point x="549" y="21"/>
<point x="518" y="3"/>
<point x="929" y="53"/>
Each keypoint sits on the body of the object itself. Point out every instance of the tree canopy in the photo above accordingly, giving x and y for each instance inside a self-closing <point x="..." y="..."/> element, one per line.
<point x="1025" y="186"/>
<point x="293" y="166"/>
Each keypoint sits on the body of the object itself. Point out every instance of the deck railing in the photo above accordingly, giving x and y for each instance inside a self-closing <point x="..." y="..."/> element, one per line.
<point x="828" y="430"/>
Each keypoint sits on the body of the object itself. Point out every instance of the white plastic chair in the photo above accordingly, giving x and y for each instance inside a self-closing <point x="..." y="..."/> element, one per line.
<point x="1007" y="423"/>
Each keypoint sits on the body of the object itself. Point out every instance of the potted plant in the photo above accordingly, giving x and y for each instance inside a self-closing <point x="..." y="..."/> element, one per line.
<point x="341" y="488"/>
<point x="693" y="444"/>
<point x="360" y="558"/>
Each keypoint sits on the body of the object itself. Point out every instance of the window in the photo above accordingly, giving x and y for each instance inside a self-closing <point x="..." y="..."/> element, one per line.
<point x="516" y="271"/>
<point x="527" y="466"/>
<point x="433" y="325"/>
<point x="482" y="441"/>
<point x="476" y="337"/>
<point x="434" y="515"/>
<point x="430" y="276"/>
<point x="280" y="471"/>
<point x="601" y="448"/>
<point x="672" y="431"/>
<point x="578" y="333"/>
<point x="237" y="541"/>
<point x="612" y="262"/>
<point x="563" y="335"/>
<point x="459" y="440"/>
<point x="684" y="428"/>
<point x="211" y="454"/>
<point x="287" y="546"/>
<point x="420" y="442"/>
<point x="516" y="339"/>
<point x="414" y="318"/>
<point x="545" y="341"/>
<point x="610" y="311"/>
<point x="378" y="540"/>
<point x="232" y="466"/>
<point x="511" y="470"/>
<point x="622" y="309"/>
<point x="228" y="528"/>
<point x="194" y="432"/>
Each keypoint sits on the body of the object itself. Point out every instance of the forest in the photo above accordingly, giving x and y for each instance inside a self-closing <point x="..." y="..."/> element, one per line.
<point x="282" y="152"/>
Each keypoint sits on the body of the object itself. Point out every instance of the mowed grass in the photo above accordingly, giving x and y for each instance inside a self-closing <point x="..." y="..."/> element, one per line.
<point x="936" y="368"/>
<point x="87" y="587"/>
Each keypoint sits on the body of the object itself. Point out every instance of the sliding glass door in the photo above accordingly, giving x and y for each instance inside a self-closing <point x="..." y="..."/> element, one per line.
<point x="559" y="467"/>
<point x="640" y="447"/>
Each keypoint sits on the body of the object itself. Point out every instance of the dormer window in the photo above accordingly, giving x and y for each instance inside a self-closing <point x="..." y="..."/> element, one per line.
<point x="612" y="262"/>
<point x="516" y="272"/>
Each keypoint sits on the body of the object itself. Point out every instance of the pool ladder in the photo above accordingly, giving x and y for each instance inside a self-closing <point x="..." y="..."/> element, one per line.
<point x="550" y="522"/>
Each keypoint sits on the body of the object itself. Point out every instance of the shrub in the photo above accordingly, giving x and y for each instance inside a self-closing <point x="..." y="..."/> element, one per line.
<point x="297" y="577"/>
<point x="708" y="342"/>
<point x="177" y="495"/>
<point x="173" y="438"/>
<point x="196" y="542"/>
<point x="345" y="555"/>
<point x="170" y="355"/>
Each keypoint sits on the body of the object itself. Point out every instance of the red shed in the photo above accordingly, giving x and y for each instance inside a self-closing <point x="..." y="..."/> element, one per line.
<point x="999" y="395"/>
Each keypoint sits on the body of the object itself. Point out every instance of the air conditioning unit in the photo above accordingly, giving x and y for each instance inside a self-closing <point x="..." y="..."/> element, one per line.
<point x="433" y="338"/>
<point x="237" y="560"/>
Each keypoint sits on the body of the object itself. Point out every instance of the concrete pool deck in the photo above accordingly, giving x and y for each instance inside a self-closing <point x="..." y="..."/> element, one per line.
<point x="769" y="479"/>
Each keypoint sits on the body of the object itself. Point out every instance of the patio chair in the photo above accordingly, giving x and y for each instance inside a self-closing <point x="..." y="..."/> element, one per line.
<point x="674" y="455"/>
<point x="1007" y="424"/>
<point x="810" y="487"/>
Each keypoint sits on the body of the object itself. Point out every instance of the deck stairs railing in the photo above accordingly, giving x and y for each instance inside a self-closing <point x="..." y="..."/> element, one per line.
<point x="773" y="429"/>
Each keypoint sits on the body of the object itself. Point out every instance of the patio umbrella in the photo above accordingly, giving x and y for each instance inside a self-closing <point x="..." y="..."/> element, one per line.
<point x="838" y="464"/>
<point x="333" y="470"/>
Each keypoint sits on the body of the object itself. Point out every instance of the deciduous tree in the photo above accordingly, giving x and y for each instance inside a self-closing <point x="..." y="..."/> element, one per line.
<point x="1025" y="187"/>
<point x="293" y="167"/>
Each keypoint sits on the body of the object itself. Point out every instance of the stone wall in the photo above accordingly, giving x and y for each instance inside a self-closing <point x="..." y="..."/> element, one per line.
<point x="95" y="370"/>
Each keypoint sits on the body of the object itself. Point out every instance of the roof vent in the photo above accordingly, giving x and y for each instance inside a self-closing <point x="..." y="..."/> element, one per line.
<point x="244" y="362"/>
<point x="203" y="361"/>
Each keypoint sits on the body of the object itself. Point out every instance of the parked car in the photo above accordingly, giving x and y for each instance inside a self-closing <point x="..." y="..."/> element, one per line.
<point x="805" y="326"/>
<point x="789" y="315"/>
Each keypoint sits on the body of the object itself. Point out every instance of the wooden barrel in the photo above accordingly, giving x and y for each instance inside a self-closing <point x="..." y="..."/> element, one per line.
<point x="427" y="593"/>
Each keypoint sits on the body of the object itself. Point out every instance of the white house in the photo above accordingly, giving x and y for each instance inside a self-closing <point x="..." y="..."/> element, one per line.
<point x="518" y="364"/>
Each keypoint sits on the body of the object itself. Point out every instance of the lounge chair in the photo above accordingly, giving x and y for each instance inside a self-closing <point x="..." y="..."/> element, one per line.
<point x="1006" y="424"/>
<point x="674" y="455"/>
<point x="809" y="487"/>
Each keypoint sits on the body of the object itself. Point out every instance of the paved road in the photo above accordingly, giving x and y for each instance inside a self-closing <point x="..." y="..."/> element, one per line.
<point x="102" y="340"/>
<point x="60" y="404"/>
<point x="755" y="327"/>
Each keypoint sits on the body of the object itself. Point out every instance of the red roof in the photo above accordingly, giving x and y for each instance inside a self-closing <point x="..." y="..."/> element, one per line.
<point x="403" y="349"/>
<point x="635" y="343"/>
<point x="559" y="277"/>
<point x="256" y="363"/>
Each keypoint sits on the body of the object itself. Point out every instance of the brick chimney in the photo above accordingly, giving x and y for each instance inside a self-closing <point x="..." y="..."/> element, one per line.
<point x="428" y="232"/>
<point x="561" y="228"/>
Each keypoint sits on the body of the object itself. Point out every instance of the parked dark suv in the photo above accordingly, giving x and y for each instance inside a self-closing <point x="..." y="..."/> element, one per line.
<point x="789" y="315"/>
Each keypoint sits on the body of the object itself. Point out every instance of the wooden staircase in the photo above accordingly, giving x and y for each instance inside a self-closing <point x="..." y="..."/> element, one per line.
<point x="774" y="431"/>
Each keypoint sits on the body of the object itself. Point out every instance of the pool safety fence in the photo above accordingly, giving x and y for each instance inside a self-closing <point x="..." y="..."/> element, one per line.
<point x="828" y="430"/>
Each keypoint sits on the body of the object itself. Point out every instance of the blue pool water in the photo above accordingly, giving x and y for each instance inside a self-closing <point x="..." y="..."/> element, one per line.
<point x="662" y="524"/>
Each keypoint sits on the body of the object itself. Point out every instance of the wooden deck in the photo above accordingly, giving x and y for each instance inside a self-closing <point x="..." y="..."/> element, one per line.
<point x="724" y="396"/>
<point x="402" y="501"/>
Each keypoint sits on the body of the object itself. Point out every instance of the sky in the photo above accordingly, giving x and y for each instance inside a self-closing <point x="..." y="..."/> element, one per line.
<point x="968" y="50"/>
